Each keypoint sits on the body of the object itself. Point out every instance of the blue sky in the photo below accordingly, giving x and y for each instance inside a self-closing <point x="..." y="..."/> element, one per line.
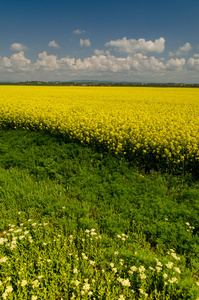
<point x="141" y="40"/>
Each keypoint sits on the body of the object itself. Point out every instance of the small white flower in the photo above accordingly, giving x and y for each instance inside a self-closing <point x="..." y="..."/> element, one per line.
<point x="134" y="268"/>
<point x="173" y="280"/>
<point x="86" y="287"/>
<point x="3" y="259"/>
<point x="169" y="265"/>
<point x="35" y="283"/>
<point x="76" y="282"/>
<point x="142" y="276"/>
<point x="75" y="271"/>
<point x="90" y="293"/>
<point x="24" y="282"/>
<point x="9" y="289"/>
<point x="158" y="269"/>
<point x="175" y="256"/>
<point x="114" y="270"/>
<point x="177" y="270"/>
<point x="142" y="269"/>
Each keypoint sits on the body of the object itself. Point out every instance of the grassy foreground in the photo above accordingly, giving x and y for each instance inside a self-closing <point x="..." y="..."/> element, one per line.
<point x="78" y="224"/>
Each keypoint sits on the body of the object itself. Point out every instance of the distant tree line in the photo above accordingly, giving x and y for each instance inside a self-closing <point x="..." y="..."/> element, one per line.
<point x="99" y="83"/>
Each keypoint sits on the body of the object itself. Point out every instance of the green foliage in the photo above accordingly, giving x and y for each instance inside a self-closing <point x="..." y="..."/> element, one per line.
<point x="74" y="189"/>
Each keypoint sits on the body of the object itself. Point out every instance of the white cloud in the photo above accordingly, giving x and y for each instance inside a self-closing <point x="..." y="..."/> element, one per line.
<point x="182" y="50"/>
<point x="46" y="62"/>
<point x="102" y="64"/>
<point x="98" y="52"/>
<point x="53" y="44"/>
<point x="175" y="64"/>
<point x="79" y="31"/>
<point x="17" y="62"/>
<point x="196" y="55"/>
<point x="85" y="43"/>
<point x="131" y="46"/>
<point x="193" y="64"/>
<point x="18" y="47"/>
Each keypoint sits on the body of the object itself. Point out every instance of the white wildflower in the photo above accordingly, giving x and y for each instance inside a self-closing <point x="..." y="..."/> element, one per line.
<point x="114" y="270"/>
<point x="177" y="270"/>
<point x="141" y="269"/>
<point x="90" y="293"/>
<point x="169" y="265"/>
<point x="75" y="271"/>
<point x="35" y="283"/>
<point x="3" y="259"/>
<point x="24" y="282"/>
<point x="124" y="282"/>
<point x="112" y="265"/>
<point x="92" y="262"/>
<point x="134" y="268"/>
<point x="86" y="287"/>
<point x="173" y="280"/>
<point x="142" y="276"/>
<point x="76" y="282"/>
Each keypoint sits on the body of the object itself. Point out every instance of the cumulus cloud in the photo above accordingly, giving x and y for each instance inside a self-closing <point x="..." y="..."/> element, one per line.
<point x="79" y="31"/>
<point x="101" y="52"/>
<point x="46" y="62"/>
<point x="53" y="44"/>
<point x="193" y="64"/>
<point x="98" y="52"/>
<point x="182" y="50"/>
<point x="131" y="46"/>
<point x="17" y="62"/>
<point x="18" y="47"/>
<point x="196" y="55"/>
<point x="175" y="64"/>
<point x="134" y="66"/>
<point x="85" y="43"/>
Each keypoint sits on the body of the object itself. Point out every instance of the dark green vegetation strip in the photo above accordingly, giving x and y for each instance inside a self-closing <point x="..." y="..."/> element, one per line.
<point x="75" y="188"/>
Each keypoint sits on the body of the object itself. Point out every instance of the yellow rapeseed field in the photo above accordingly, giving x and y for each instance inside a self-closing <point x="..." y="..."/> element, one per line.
<point x="152" y="125"/>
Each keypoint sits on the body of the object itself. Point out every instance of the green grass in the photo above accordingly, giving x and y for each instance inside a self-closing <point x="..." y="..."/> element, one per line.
<point x="74" y="189"/>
